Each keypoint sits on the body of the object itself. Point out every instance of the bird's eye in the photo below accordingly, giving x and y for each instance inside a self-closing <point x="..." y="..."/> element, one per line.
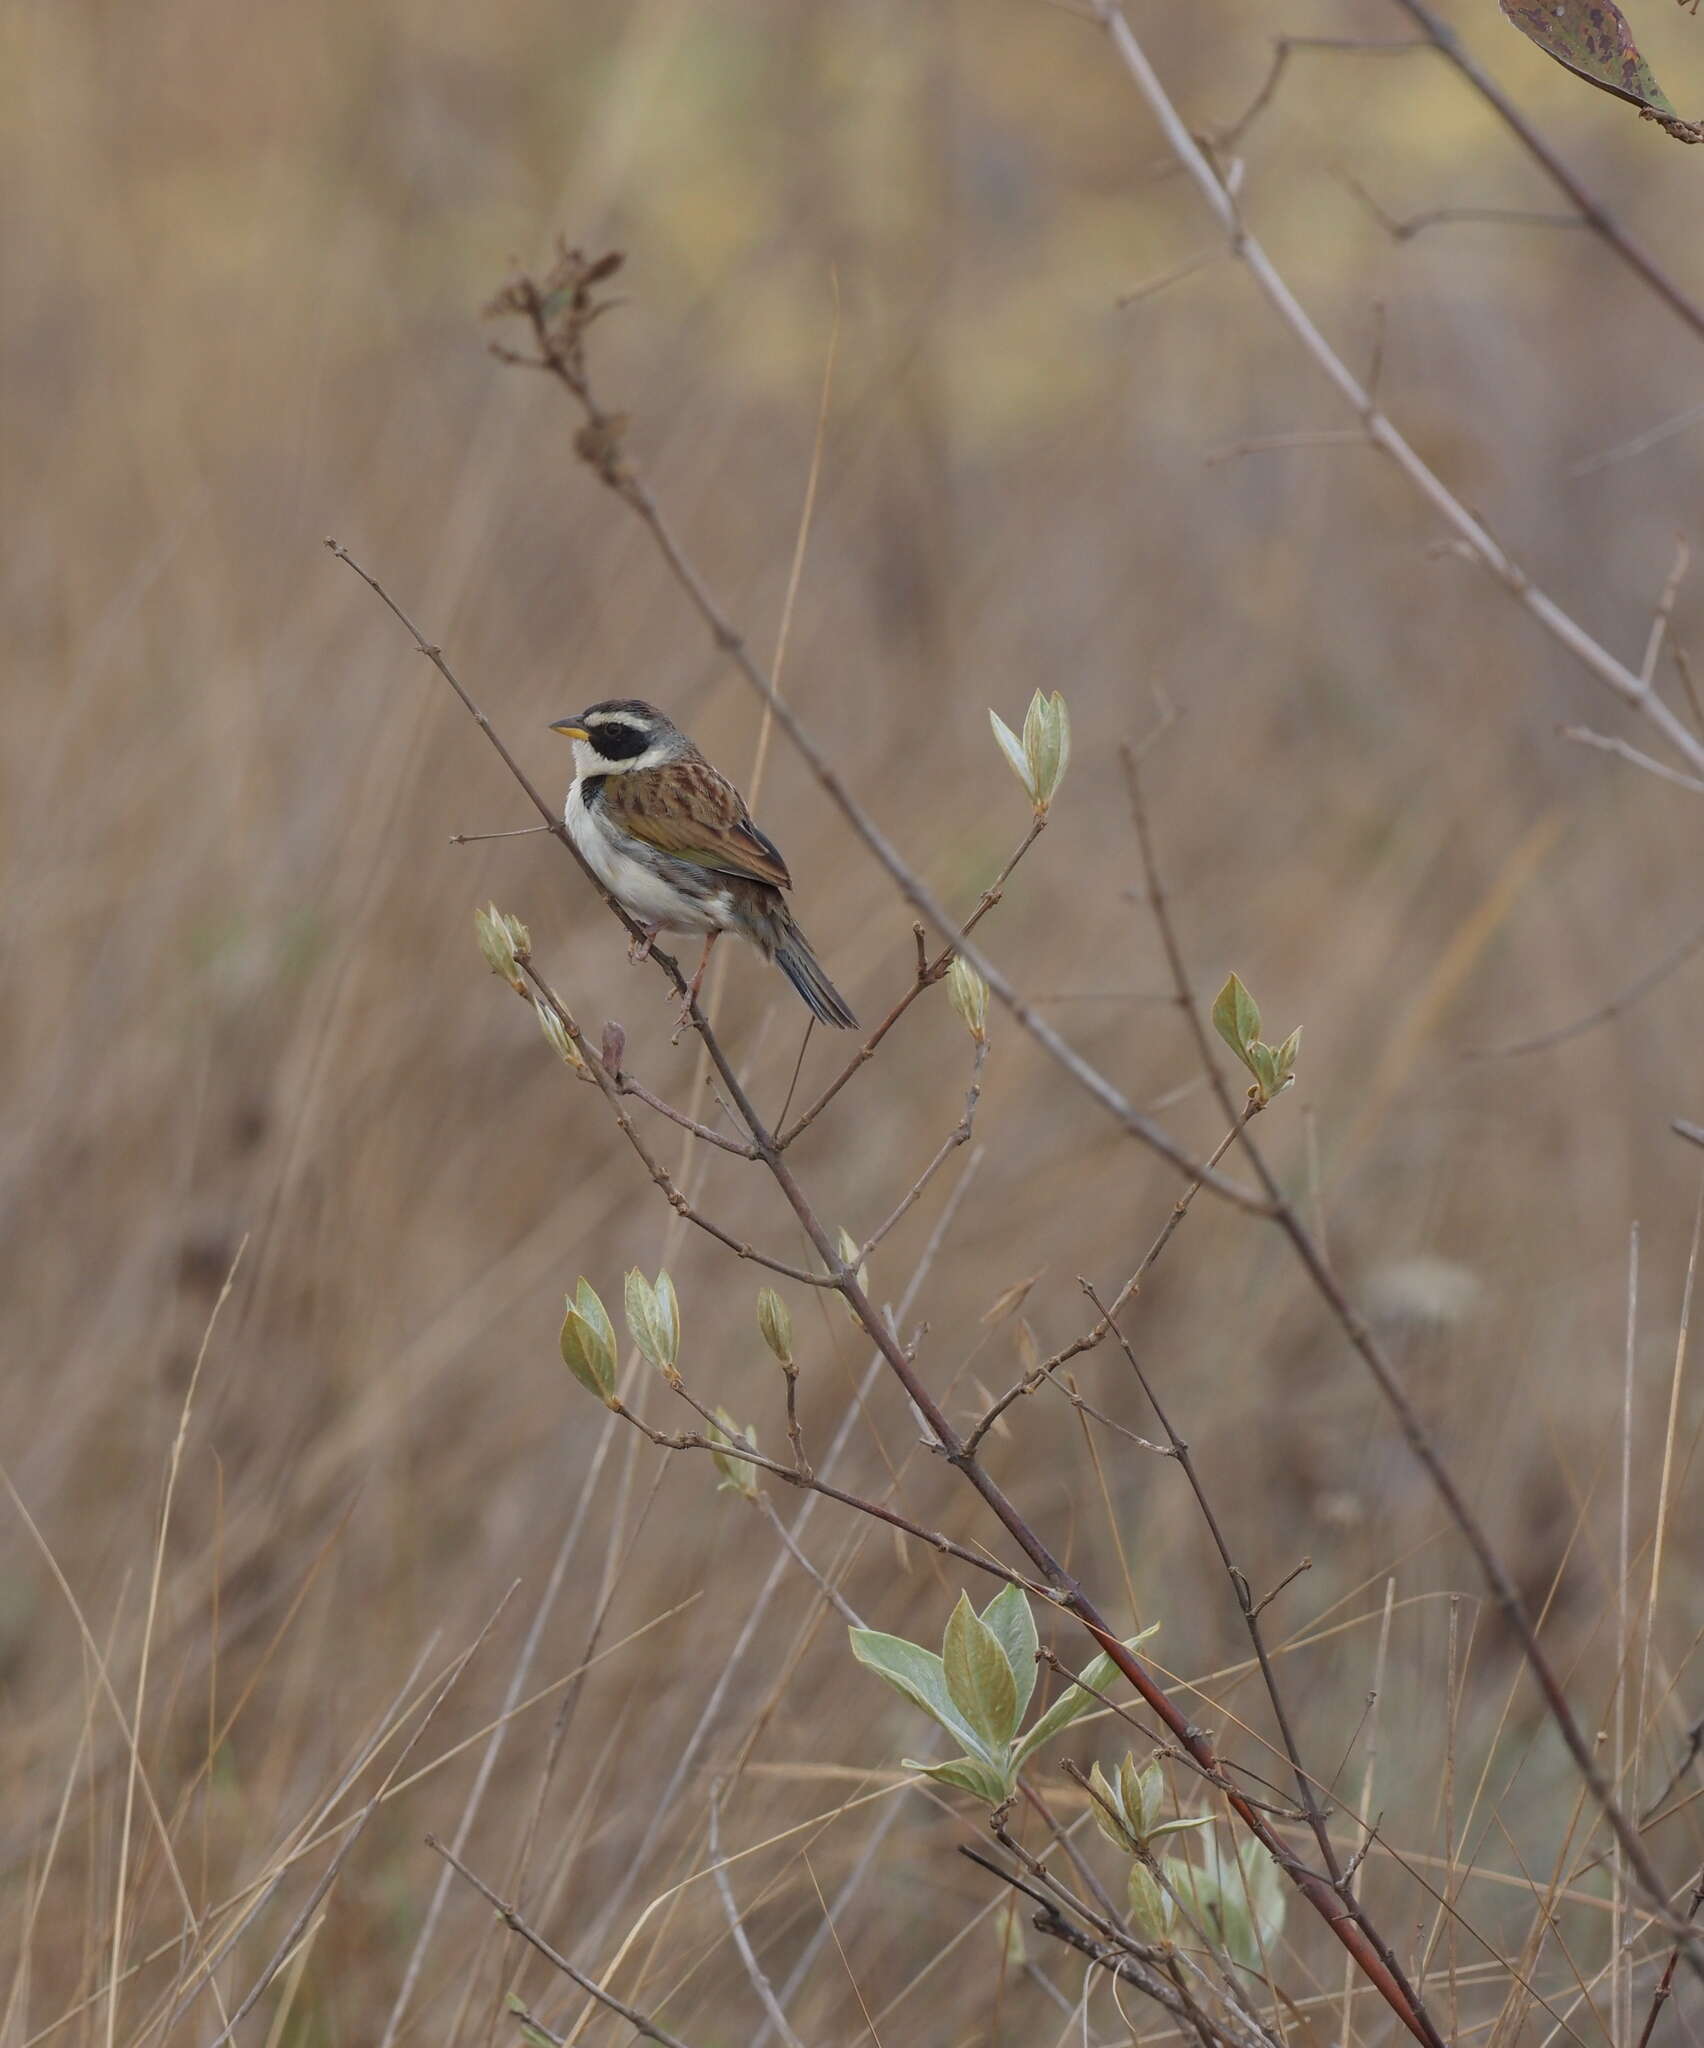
<point x="619" y="739"/>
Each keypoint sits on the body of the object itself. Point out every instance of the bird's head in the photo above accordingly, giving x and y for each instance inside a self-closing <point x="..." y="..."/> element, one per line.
<point x="620" y="736"/>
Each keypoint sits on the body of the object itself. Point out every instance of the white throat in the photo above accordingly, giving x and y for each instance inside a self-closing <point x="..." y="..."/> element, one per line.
<point x="588" y="761"/>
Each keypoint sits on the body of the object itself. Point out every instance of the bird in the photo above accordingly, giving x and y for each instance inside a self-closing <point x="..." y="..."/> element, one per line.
<point x="670" y="838"/>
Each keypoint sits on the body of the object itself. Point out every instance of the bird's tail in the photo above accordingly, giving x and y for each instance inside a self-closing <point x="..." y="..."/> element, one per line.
<point x="791" y="952"/>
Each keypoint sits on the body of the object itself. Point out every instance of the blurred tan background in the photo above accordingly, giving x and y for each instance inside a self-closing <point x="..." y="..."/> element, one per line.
<point x="243" y="255"/>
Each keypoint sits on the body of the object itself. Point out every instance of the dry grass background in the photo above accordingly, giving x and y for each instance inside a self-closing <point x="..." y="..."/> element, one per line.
<point x="243" y="259"/>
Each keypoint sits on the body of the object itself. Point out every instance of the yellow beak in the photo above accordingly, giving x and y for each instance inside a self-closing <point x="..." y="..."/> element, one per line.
<point x="569" y="730"/>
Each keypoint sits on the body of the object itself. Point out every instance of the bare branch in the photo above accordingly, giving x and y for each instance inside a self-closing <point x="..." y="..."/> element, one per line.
<point x="1622" y="1001"/>
<point x="1608" y="743"/>
<point x="1044" y="1372"/>
<point x="928" y="972"/>
<point x="1283" y="50"/>
<point x="1625" y="685"/>
<point x="1665" y="609"/>
<point x="1596" y="216"/>
<point x="736" y="1923"/>
<point x="957" y="1136"/>
<point x="648" y="2028"/>
<point x="1613" y="674"/>
<point x="328" y="1877"/>
<point x="1405" y="228"/>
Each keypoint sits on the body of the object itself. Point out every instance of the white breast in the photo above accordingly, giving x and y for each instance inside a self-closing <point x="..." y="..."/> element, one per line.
<point x="635" y="884"/>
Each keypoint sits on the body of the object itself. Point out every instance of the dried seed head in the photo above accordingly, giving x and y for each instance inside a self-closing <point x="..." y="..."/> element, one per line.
<point x="505" y="942"/>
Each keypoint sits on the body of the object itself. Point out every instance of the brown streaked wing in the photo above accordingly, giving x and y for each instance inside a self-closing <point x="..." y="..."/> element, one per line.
<point x="689" y="811"/>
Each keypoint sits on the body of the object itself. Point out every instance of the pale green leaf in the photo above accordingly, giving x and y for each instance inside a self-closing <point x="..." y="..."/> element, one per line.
<point x="738" y="1474"/>
<point x="640" y="1312"/>
<point x="586" y="1355"/>
<point x="1106" y="1810"/>
<point x="1047" y="745"/>
<point x="1012" y="747"/>
<point x="1133" y="1792"/>
<point x="1038" y="749"/>
<point x="1076" y="1700"/>
<point x="916" y="1672"/>
<point x="1236" y="1017"/>
<point x="1151" y="1909"/>
<point x="968" y="1774"/>
<point x="1215" y="1908"/>
<point x="1239" y="1895"/>
<point x="775" y="1321"/>
<point x="587" y="1302"/>
<point x="668" y="1317"/>
<point x="1162" y="1828"/>
<point x="1061" y="743"/>
<point x="1008" y="1615"/>
<point x="979" y="1677"/>
<point x="653" y="1318"/>
<point x="968" y="994"/>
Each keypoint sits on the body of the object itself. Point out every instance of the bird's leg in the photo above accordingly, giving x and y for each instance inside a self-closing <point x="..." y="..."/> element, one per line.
<point x="640" y="948"/>
<point x="694" y="986"/>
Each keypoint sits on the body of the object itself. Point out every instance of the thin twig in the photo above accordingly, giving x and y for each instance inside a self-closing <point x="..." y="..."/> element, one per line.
<point x="736" y="1926"/>
<point x="1635" y="757"/>
<point x="328" y="1877"/>
<point x="488" y="1763"/>
<point x="1308" y="1798"/>
<point x="1152" y="286"/>
<point x="1304" y="437"/>
<point x="927" y="974"/>
<point x="626" y="1085"/>
<point x="1613" y="674"/>
<point x="959" y="1135"/>
<point x="1665" y="610"/>
<point x="641" y="2023"/>
<point x="1421" y="1444"/>
<point x="613" y="1092"/>
<point x="1624" y="684"/>
<point x="745" y="1452"/>
<point x="1404" y="228"/>
<point x="1283" y="49"/>
<point x="1108" y="1953"/>
<point x="1623" y="1000"/>
<point x="1591" y="209"/>
<point x="1665" y="1983"/>
<point x="1040" y="1374"/>
<point x="686" y="1754"/>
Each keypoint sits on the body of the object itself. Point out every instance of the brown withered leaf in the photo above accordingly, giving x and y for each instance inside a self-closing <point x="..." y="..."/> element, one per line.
<point x="1029" y="1351"/>
<point x="614" y="1045"/>
<point x="1591" y="38"/>
<point x="1009" y="1299"/>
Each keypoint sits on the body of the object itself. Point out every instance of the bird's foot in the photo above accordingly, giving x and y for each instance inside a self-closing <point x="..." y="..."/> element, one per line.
<point x="639" y="948"/>
<point x="696" y="984"/>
